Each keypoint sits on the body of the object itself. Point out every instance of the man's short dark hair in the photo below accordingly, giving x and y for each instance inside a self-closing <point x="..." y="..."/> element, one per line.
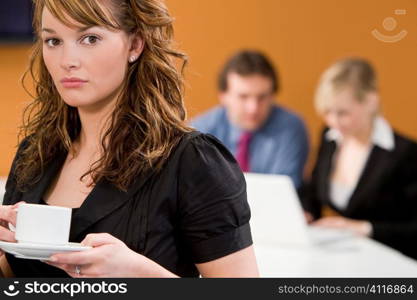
<point x="245" y="63"/>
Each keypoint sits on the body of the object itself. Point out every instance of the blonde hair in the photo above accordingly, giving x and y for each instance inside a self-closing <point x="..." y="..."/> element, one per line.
<point x="355" y="73"/>
<point x="149" y="118"/>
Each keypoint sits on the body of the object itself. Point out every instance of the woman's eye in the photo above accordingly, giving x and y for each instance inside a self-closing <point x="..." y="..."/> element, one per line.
<point x="52" y="42"/>
<point x="90" y="40"/>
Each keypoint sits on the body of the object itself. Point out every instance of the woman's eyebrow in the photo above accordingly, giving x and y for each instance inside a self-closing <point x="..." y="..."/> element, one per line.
<point x="48" y="30"/>
<point x="81" y="29"/>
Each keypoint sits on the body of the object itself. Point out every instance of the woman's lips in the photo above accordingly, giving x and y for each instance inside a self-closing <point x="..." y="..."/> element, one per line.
<point x="73" y="82"/>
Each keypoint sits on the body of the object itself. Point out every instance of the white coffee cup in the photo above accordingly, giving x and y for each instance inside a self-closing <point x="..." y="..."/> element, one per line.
<point x="43" y="224"/>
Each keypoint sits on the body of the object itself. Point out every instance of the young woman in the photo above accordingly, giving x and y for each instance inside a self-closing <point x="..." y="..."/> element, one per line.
<point x="366" y="172"/>
<point x="106" y="136"/>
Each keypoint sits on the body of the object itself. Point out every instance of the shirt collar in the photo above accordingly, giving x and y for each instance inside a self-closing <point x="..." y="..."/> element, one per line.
<point x="382" y="134"/>
<point x="235" y="131"/>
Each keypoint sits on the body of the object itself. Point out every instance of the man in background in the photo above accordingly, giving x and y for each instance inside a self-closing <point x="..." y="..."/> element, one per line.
<point x="263" y="136"/>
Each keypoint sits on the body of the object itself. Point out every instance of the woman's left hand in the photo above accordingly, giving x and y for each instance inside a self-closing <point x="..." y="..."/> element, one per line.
<point x="363" y="228"/>
<point x="109" y="257"/>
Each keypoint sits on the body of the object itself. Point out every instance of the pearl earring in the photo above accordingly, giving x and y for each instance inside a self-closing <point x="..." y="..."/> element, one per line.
<point x="132" y="58"/>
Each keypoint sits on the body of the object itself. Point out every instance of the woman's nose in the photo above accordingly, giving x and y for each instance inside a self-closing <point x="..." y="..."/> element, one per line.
<point x="70" y="60"/>
<point x="70" y="65"/>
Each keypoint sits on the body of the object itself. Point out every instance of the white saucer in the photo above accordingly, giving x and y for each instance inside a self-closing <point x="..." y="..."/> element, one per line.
<point x="39" y="251"/>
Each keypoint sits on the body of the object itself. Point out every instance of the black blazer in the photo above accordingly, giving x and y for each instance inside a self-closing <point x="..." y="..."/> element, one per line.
<point x="386" y="193"/>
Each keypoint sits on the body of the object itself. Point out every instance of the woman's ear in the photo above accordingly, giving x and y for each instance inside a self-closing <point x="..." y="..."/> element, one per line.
<point x="136" y="48"/>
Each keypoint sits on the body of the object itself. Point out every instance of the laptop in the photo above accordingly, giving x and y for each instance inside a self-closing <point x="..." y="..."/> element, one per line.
<point x="277" y="216"/>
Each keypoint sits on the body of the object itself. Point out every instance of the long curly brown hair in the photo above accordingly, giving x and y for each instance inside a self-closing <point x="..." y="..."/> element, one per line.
<point x="149" y="118"/>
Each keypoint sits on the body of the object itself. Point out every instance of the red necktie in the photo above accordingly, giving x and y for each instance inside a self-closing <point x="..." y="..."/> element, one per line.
<point x="242" y="153"/>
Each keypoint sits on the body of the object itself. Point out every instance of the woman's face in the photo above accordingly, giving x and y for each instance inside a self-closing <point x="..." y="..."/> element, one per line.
<point x="350" y="116"/>
<point x="87" y="65"/>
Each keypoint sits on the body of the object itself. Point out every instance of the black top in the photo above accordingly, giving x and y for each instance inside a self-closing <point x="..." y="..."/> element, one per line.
<point x="386" y="193"/>
<point x="73" y="210"/>
<point x="193" y="211"/>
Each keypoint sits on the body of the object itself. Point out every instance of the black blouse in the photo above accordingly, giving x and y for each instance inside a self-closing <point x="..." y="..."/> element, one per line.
<point x="193" y="211"/>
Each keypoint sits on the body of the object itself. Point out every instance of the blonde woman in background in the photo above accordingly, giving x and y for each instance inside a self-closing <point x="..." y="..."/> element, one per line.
<point x="365" y="176"/>
<point x="106" y="136"/>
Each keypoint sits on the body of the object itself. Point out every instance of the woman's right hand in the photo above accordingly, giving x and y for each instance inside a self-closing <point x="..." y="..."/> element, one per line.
<point x="8" y="215"/>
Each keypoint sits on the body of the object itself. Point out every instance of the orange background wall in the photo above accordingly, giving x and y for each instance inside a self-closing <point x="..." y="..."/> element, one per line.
<point x="302" y="37"/>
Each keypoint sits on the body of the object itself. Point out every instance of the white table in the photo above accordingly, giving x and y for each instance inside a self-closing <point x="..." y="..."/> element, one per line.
<point x="356" y="257"/>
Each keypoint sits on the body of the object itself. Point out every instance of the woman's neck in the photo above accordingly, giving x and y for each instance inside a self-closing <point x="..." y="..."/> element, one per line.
<point x="93" y="125"/>
<point x="362" y="137"/>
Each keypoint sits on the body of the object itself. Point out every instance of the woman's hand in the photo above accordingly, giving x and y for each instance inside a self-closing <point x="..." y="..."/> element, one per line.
<point x="8" y="215"/>
<point x="363" y="228"/>
<point x="309" y="217"/>
<point x="109" y="257"/>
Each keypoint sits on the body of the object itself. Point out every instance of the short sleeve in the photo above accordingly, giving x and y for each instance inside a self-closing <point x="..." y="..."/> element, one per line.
<point x="213" y="206"/>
